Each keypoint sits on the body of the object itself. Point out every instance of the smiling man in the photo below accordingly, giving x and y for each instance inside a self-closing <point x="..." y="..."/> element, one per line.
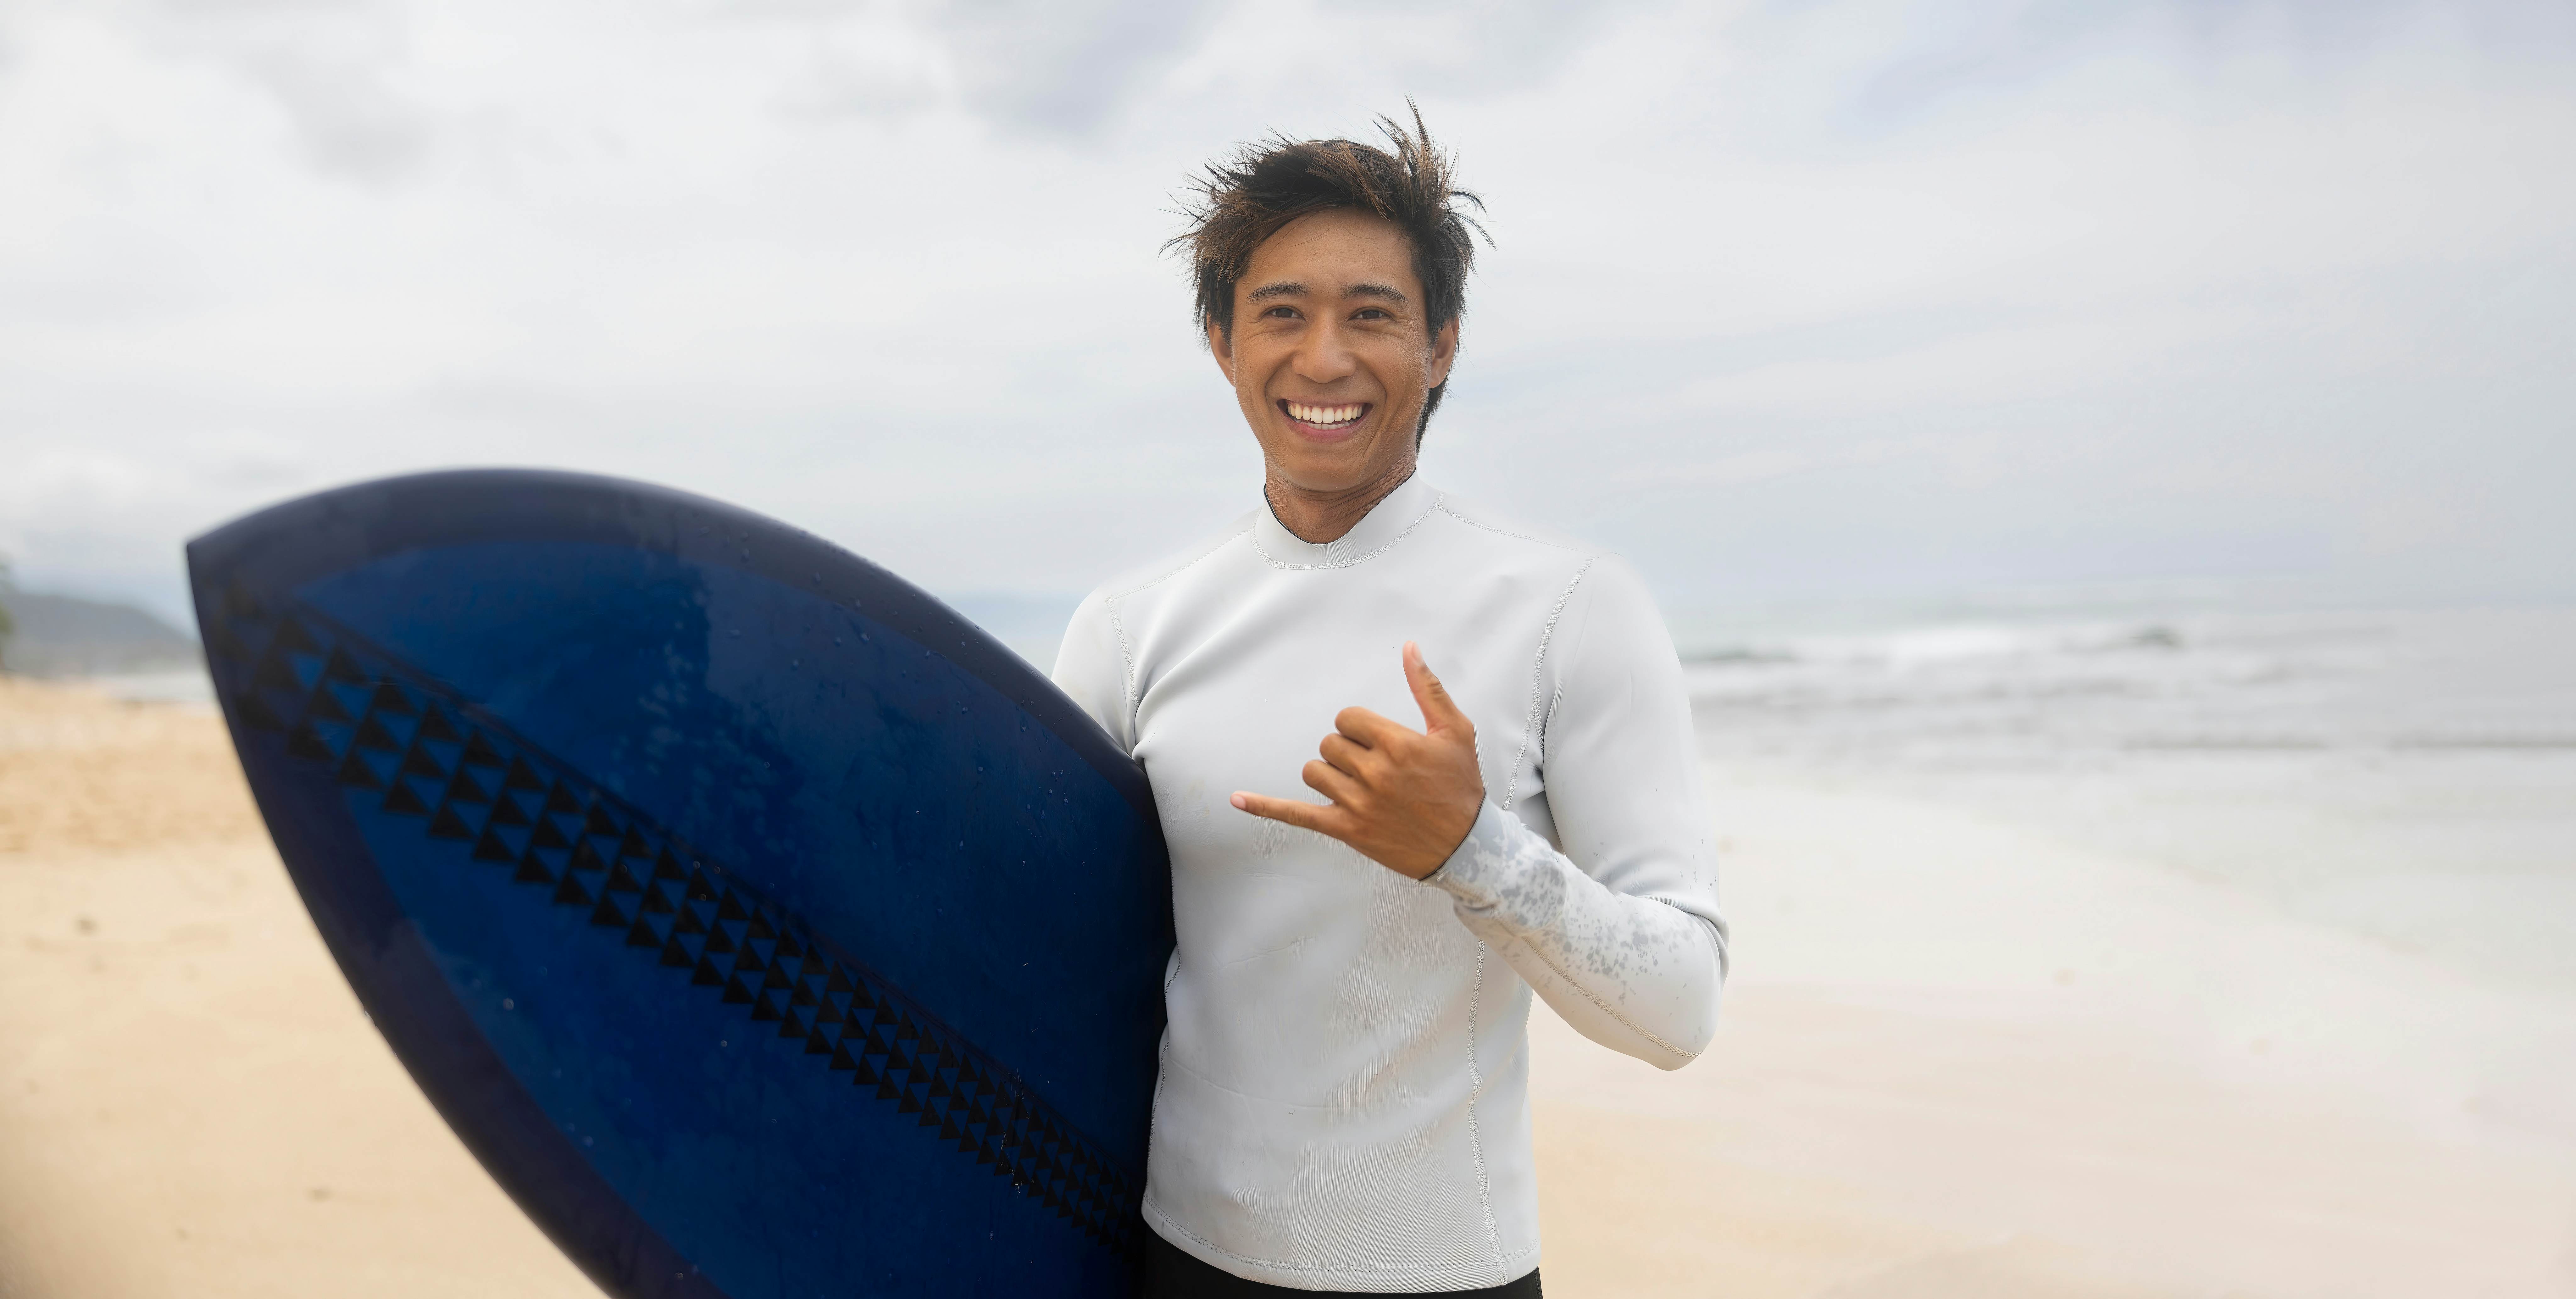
<point x="1344" y="1100"/>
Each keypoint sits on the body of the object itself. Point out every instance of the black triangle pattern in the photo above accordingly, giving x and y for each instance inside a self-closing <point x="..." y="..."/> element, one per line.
<point x="305" y="742"/>
<point x="291" y="638"/>
<point x="256" y="712"/>
<point x="521" y="777"/>
<point x="835" y="1014"/>
<point x="373" y="734"/>
<point x="389" y="700"/>
<point x="462" y="789"/>
<point x="227" y="644"/>
<point x="435" y="726"/>
<point x="342" y="668"/>
<point x="325" y="705"/>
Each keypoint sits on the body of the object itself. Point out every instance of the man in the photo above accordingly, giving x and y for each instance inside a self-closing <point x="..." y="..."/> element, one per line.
<point x="1343" y="1103"/>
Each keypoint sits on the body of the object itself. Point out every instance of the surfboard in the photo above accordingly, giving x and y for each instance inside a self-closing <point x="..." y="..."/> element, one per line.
<point x="763" y="926"/>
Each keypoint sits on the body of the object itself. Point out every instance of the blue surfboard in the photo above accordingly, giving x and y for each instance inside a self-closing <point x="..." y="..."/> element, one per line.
<point x="764" y="927"/>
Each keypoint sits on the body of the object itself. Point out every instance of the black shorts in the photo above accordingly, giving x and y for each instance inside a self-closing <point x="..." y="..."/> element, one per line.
<point x="1171" y="1273"/>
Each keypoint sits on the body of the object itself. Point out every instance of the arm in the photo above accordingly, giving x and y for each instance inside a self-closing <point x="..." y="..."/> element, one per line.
<point x="1620" y="932"/>
<point x="1639" y="975"/>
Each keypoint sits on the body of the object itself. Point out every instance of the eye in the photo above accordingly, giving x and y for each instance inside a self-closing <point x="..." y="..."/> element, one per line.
<point x="1280" y="313"/>
<point x="1371" y="313"/>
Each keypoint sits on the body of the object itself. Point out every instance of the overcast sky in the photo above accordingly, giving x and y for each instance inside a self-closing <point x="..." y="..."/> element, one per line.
<point x="1832" y="297"/>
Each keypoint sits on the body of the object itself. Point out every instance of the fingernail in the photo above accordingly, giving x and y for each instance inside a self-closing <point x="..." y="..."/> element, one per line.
<point x="1238" y="800"/>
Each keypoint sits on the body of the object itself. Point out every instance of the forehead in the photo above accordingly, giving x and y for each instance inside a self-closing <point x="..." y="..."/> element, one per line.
<point x="1331" y="250"/>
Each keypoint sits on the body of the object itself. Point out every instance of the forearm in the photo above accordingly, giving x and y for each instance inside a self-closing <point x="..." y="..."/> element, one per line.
<point x="1636" y="974"/>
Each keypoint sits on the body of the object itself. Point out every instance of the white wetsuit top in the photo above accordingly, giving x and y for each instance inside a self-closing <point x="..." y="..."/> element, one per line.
<point x="1344" y="1097"/>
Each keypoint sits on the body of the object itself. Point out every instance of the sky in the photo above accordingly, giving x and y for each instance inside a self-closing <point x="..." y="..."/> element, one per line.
<point x="1807" y="299"/>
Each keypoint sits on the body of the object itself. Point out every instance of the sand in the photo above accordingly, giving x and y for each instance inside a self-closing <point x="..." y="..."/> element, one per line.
<point x="191" y="1101"/>
<point x="1960" y="1059"/>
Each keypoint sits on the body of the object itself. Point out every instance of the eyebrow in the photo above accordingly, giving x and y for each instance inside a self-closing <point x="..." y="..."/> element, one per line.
<point x="1290" y="289"/>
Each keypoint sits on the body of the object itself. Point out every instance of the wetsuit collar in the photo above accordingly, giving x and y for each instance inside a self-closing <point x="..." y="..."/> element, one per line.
<point x="1386" y="523"/>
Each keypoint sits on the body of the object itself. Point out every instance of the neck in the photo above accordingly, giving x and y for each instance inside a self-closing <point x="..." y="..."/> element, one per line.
<point x="1317" y="517"/>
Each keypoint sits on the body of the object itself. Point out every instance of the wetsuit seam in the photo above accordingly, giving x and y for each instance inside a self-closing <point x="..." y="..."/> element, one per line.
<point x="1552" y="543"/>
<point x="1531" y="732"/>
<point x="1475" y="1094"/>
<point x="1126" y="672"/>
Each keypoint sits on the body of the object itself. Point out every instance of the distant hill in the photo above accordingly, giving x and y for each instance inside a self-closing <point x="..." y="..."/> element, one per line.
<point x="66" y="636"/>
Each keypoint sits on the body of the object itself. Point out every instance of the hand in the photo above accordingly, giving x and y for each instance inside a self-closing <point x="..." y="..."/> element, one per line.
<point x="1404" y="798"/>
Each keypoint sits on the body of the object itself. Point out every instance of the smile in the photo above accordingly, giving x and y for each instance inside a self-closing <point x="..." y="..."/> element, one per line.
<point x="1325" y="417"/>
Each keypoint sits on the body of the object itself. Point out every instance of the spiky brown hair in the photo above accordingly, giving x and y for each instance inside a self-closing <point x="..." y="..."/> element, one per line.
<point x="1243" y="199"/>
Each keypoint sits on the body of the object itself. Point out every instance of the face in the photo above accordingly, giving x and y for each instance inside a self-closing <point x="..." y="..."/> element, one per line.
<point x="1330" y="357"/>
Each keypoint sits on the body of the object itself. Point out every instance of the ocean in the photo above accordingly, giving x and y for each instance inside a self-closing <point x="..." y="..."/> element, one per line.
<point x="2407" y="774"/>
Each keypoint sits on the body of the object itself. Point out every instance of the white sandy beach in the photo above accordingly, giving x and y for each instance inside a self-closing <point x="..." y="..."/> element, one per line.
<point x="1961" y="1058"/>
<point x="1965" y="1059"/>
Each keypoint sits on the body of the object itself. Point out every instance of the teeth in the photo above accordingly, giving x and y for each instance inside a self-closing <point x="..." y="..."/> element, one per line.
<point x="1323" y="414"/>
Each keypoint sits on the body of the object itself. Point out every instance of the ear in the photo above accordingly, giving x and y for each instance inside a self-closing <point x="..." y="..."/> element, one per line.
<point x="1221" y="347"/>
<point x="1444" y="352"/>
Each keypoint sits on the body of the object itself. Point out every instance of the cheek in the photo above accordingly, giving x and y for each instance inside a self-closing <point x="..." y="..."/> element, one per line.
<point x="1395" y="361"/>
<point x="1256" y="363"/>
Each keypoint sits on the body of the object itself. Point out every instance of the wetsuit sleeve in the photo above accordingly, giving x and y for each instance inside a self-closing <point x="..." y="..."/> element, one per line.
<point x="1619" y="931"/>
<point x="1091" y="666"/>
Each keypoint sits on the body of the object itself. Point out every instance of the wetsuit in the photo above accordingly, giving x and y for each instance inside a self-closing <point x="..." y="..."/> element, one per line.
<point x="1344" y="1094"/>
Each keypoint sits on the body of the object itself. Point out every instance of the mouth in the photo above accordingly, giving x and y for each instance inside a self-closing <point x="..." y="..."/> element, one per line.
<point x="1325" y="418"/>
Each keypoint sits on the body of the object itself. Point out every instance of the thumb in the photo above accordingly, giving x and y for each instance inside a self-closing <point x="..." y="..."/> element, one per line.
<point x="1439" y="711"/>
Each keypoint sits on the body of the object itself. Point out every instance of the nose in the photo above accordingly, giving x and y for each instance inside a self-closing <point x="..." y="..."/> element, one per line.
<point x="1325" y="356"/>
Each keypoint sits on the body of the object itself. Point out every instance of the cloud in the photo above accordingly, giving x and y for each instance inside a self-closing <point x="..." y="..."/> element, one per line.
<point x="1852" y="292"/>
<point x="332" y="67"/>
<point x="1065" y="66"/>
